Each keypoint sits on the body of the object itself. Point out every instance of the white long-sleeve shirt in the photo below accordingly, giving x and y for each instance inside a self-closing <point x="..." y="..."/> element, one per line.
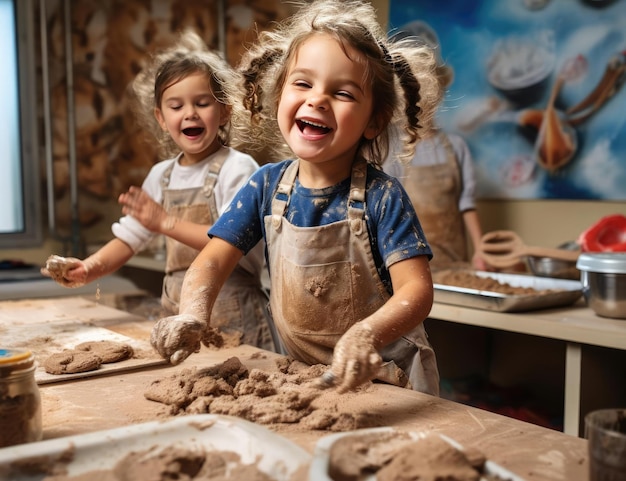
<point x="234" y="173"/>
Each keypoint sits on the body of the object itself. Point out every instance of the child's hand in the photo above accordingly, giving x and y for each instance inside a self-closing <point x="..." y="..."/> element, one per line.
<point x="138" y="204"/>
<point x="177" y="337"/>
<point x="67" y="271"/>
<point x="355" y="359"/>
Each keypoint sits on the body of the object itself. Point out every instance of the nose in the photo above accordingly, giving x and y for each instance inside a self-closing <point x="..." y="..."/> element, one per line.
<point x="190" y="112"/>
<point x="317" y="100"/>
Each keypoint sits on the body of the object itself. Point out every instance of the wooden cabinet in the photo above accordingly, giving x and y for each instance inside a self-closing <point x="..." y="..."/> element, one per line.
<point x="570" y="359"/>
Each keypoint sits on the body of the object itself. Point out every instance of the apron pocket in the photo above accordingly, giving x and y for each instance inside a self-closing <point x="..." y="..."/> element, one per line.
<point x="318" y="299"/>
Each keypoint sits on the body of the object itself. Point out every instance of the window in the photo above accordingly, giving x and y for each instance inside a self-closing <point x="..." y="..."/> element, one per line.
<point x="20" y="218"/>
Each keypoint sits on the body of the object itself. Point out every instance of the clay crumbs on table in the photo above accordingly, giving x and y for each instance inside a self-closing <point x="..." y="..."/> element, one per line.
<point x="289" y="396"/>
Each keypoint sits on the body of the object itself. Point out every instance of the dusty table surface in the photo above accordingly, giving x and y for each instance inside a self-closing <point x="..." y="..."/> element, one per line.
<point x="117" y="399"/>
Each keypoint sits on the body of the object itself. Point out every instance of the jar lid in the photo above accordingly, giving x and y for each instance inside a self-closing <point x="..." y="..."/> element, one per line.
<point x="13" y="360"/>
<point x="605" y="262"/>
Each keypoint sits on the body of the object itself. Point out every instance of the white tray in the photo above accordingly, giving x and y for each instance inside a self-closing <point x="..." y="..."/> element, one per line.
<point x="275" y="455"/>
<point x="319" y="466"/>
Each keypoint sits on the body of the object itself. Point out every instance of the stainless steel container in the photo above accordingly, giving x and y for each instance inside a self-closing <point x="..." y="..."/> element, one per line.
<point x="603" y="277"/>
<point x="550" y="267"/>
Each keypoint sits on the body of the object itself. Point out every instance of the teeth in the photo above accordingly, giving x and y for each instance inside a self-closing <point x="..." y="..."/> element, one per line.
<point x="314" y="124"/>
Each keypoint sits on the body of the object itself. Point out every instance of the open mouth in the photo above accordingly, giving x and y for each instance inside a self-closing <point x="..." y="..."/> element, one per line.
<point x="193" y="131"/>
<point x="307" y="127"/>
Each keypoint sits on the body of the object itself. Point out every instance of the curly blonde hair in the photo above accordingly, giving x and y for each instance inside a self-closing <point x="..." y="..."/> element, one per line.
<point x="187" y="56"/>
<point x="403" y="79"/>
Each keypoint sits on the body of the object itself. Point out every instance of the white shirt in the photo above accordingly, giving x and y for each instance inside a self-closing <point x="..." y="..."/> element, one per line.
<point x="235" y="172"/>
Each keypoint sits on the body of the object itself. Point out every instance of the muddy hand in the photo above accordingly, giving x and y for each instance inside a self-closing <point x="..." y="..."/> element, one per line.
<point x="355" y="359"/>
<point x="177" y="337"/>
<point x="388" y="372"/>
<point x="67" y="271"/>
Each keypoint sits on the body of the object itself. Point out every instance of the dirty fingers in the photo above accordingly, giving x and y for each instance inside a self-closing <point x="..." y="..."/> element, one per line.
<point x="355" y="359"/>
<point x="177" y="337"/>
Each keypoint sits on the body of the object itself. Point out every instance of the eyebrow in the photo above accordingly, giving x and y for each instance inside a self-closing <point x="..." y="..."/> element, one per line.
<point x="194" y="97"/>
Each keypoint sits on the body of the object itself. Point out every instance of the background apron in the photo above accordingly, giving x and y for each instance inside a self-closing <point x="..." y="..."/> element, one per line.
<point x="434" y="191"/>
<point x="324" y="280"/>
<point x="241" y="304"/>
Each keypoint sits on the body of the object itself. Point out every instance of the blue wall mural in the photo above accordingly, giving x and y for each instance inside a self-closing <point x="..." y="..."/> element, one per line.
<point x="538" y="91"/>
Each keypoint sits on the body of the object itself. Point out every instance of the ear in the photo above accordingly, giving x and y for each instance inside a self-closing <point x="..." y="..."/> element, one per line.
<point x="158" y="115"/>
<point x="225" y="112"/>
<point x="373" y="128"/>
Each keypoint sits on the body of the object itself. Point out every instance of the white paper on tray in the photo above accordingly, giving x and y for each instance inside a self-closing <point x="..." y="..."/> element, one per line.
<point x="273" y="454"/>
<point x="318" y="470"/>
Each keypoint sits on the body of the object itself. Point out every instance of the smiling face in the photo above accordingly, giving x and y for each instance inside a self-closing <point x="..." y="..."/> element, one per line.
<point x="325" y="107"/>
<point x="192" y="116"/>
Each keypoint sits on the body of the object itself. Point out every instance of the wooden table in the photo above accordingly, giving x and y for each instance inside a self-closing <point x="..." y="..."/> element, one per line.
<point x="117" y="399"/>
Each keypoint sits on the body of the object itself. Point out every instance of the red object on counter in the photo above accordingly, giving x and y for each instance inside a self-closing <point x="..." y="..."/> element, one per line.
<point x="606" y="235"/>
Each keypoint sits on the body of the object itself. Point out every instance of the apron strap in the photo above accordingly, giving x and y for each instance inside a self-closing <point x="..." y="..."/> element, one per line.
<point x="356" y="200"/>
<point x="215" y="166"/>
<point x="283" y="192"/>
<point x="165" y="178"/>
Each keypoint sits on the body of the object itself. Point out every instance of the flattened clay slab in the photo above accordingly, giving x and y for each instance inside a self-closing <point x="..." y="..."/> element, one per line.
<point x="108" y="351"/>
<point x="71" y="361"/>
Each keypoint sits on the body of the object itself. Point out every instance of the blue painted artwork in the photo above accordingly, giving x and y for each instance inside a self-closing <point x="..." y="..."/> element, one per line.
<point x="537" y="93"/>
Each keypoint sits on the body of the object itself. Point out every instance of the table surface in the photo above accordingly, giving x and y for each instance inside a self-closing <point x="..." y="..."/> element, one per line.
<point x="576" y="323"/>
<point x="117" y="399"/>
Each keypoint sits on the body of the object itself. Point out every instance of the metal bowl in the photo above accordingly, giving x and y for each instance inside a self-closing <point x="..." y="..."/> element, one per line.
<point x="603" y="277"/>
<point x="549" y="267"/>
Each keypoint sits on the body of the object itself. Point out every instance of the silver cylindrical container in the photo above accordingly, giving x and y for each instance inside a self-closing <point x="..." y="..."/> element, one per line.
<point x="603" y="277"/>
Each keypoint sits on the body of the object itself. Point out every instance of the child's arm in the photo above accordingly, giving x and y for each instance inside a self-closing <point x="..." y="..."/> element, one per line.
<point x="137" y="203"/>
<point x="176" y="337"/>
<point x="355" y="358"/>
<point x="72" y="272"/>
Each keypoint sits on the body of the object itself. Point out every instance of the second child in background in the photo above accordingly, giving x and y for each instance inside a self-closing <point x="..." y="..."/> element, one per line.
<point x="348" y="261"/>
<point x="440" y="180"/>
<point x="183" y="97"/>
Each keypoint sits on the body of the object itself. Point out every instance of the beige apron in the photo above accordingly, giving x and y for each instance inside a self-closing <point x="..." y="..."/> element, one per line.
<point x="241" y="304"/>
<point x="324" y="280"/>
<point x="434" y="191"/>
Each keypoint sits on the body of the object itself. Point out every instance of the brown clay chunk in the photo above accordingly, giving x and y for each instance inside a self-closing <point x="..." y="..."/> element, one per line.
<point x="429" y="459"/>
<point x="69" y="362"/>
<point x="396" y="456"/>
<point x="108" y="351"/>
<point x="352" y="458"/>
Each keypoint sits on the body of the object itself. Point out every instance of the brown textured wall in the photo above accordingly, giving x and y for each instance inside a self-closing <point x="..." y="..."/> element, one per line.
<point x="111" y="39"/>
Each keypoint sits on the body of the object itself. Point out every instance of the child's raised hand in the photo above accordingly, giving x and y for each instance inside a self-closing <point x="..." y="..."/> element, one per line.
<point x="138" y="204"/>
<point x="355" y="359"/>
<point x="177" y="337"/>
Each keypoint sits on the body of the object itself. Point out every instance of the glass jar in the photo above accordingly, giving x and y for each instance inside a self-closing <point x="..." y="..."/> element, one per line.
<point x="20" y="400"/>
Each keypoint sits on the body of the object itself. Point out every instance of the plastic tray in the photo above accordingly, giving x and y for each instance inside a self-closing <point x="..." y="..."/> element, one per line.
<point x="319" y="466"/>
<point x="564" y="292"/>
<point x="275" y="455"/>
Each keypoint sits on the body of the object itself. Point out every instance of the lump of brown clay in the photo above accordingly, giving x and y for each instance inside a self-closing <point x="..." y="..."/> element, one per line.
<point x="72" y="361"/>
<point x="108" y="351"/>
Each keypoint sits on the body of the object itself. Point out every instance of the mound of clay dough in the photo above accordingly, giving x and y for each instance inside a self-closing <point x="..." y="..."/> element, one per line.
<point x="108" y="351"/>
<point x="71" y="361"/>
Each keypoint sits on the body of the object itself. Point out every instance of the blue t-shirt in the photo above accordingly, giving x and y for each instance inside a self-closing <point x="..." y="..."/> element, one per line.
<point x="394" y="229"/>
